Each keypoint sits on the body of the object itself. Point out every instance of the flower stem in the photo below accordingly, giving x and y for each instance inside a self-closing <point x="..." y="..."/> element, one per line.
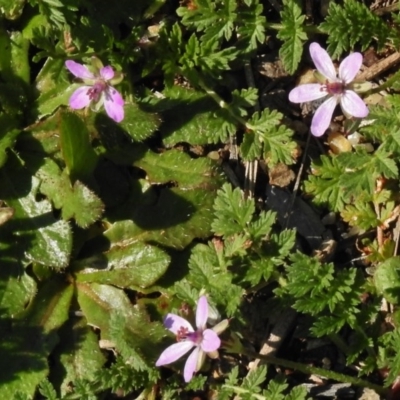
<point x="394" y="78"/>
<point x="321" y="371"/>
<point x="239" y="390"/>
<point x="307" y="28"/>
<point x="223" y="104"/>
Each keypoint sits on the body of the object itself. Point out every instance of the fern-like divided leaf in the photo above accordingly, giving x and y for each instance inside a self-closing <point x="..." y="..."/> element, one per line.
<point x="268" y="137"/>
<point x="292" y="34"/>
<point x="214" y="18"/>
<point x="316" y="289"/>
<point x="324" y="183"/>
<point x="233" y="212"/>
<point x="384" y="128"/>
<point x="350" y="24"/>
<point x="389" y="356"/>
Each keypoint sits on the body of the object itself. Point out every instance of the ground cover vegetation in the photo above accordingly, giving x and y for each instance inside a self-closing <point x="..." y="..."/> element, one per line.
<point x="199" y="199"/>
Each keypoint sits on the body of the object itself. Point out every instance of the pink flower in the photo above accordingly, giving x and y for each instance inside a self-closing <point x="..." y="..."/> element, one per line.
<point x="97" y="90"/>
<point x="202" y="340"/>
<point x="338" y="89"/>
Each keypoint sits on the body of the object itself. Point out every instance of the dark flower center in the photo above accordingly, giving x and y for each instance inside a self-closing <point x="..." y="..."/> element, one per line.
<point x="96" y="90"/>
<point x="335" y="88"/>
<point x="184" y="334"/>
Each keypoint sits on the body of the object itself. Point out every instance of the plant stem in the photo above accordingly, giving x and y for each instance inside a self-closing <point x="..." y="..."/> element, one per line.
<point x="239" y="390"/>
<point x="338" y="341"/>
<point x="307" y="28"/>
<point x="321" y="371"/>
<point x="394" y="78"/>
<point x="223" y="104"/>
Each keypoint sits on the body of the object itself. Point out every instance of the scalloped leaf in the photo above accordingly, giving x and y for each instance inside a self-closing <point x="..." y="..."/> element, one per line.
<point x="41" y="237"/>
<point x="174" y="165"/>
<point x="171" y="217"/>
<point x="77" y="356"/>
<point x="78" y="153"/>
<point x="135" y="266"/>
<point x="109" y="309"/>
<point x="75" y="201"/>
<point x="26" y="344"/>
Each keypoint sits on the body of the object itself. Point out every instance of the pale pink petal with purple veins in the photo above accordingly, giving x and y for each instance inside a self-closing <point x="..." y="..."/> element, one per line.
<point x="191" y="364"/>
<point x="114" y="104"/>
<point x="349" y="67"/>
<point x="211" y="341"/>
<point x="79" y="70"/>
<point x="323" y="116"/>
<point x="352" y="104"/>
<point x="80" y="98"/>
<point x="307" y="92"/>
<point x="322" y="61"/>
<point x="174" y="352"/>
<point x="107" y="73"/>
<point x="174" y="323"/>
<point x="202" y="312"/>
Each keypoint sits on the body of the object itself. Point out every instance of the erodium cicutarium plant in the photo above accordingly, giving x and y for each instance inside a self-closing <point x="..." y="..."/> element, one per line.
<point x="97" y="90"/>
<point x="336" y="87"/>
<point x="204" y="341"/>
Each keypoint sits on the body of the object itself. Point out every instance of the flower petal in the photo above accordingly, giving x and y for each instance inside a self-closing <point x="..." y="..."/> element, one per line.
<point x="174" y="323"/>
<point x="79" y="70"/>
<point x="107" y="73"/>
<point x="350" y="66"/>
<point x="210" y="341"/>
<point x="323" y="116"/>
<point x="352" y="104"/>
<point x="174" y="352"/>
<point x="114" y="104"/>
<point x="202" y="312"/>
<point x="307" y="92"/>
<point x="322" y="61"/>
<point x="190" y="366"/>
<point x="80" y="98"/>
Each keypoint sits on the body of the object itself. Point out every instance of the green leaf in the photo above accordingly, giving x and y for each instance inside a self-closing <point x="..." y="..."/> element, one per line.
<point x="109" y="309"/>
<point x="252" y="23"/>
<point x="255" y="378"/>
<point x="216" y="19"/>
<point x="171" y="217"/>
<point x="292" y="34"/>
<point x="16" y="287"/>
<point x="387" y="280"/>
<point x="26" y="344"/>
<point x="384" y="129"/>
<point x="324" y="183"/>
<point x="233" y="212"/>
<point x="139" y="124"/>
<point x="77" y="151"/>
<point x="8" y="134"/>
<point x="276" y="138"/>
<point x="187" y="116"/>
<point x="77" y="356"/>
<point x="136" y="266"/>
<point x="41" y="237"/>
<point x="12" y="10"/>
<point x="14" y="60"/>
<point x="207" y="270"/>
<point x="47" y="390"/>
<point x="53" y="86"/>
<point x="75" y="201"/>
<point x="19" y="57"/>
<point x="177" y="166"/>
<point x="361" y="215"/>
<point x="353" y="23"/>
<point x="136" y="338"/>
